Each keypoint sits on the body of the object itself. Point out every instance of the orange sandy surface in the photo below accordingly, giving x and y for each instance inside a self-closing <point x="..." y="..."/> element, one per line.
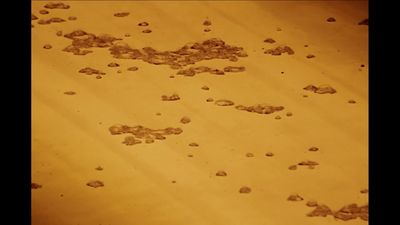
<point x="70" y="136"/>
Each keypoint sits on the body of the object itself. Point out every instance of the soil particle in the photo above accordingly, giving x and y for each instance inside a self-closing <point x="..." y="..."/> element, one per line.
<point x="95" y="184"/>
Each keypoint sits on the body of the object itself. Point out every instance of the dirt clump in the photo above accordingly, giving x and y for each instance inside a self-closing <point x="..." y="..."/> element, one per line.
<point x="312" y="204"/>
<point x="35" y="186"/>
<point x="234" y="69"/>
<point x="146" y="31"/>
<point x="113" y="64"/>
<point x="205" y="88"/>
<point x="269" y="40"/>
<point x="295" y="197"/>
<point x="249" y="155"/>
<point x="33" y="17"/>
<point x="95" y="184"/>
<point x="310" y="56"/>
<point x="143" y="24"/>
<point x="245" y="190"/>
<point x="51" y="20"/>
<point x="72" y="18"/>
<point x="56" y="5"/>
<point x="320" y="210"/>
<point x="279" y="50"/>
<point x="70" y="93"/>
<point x="292" y="167"/>
<point x="363" y="22"/>
<point x="313" y="149"/>
<point x="207" y="23"/>
<point x="91" y="71"/>
<point x="322" y="89"/>
<point x="99" y="168"/>
<point x="269" y="154"/>
<point x="331" y="19"/>
<point x="47" y="46"/>
<point x="224" y="102"/>
<point x="173" y="97"/>
<point x="133" y="68"/>
<point x="121" y="14"/>
<point x="308" y="163"/>
<point x="59" y="33"/>
<point x="43" y="12"/>
<point x="194" y="144"/>
<point x="221" y="173"/>
<point x="207" y="30"/>
<point x="260" y="108"/>
<point x="209" y="100"/>
<point x="185" y="120"/>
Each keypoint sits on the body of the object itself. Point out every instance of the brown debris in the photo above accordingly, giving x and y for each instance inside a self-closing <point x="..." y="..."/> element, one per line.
<point x="312" y="204"/>
<point x="352" y="211"/>
<point x="363" y="22"/>
<point x="352" y="102"/>
<point x="146" y="31"/>
<point x="205" y="88"/>
<point x="322" y="89"/>
<point x="310" y="56"/>
<point x="209" y="100"/>
<point x="72" y="18"/>
<point x="234" y="69"/>
<point x="331" y="19"/>
<point x="295" y="197"/>
<point x="269" y="154"/>
<point x="99" y="168"/>
<point x="95" y="184"/>
<point x="244" y="190"/>
<point x="90" y="71"/>
<point x="194" y="144"/>
<point x="269" y="40"/>
<point x="121" y="14"/>
<point x="260" y="108"/>
<point x="185" y="120"/>
<point x="364" y="191"/>
<point x="279" y="50"/>
<point x="249" y="154"/>
<point x="43" y="12"/>
<point x="292" y="167"/>
<point x="33" y="17"/>
<point x="207" y="23"/>
<point x="278" y="117"/>
<point x="201" y="69"/>
<point x="224" y="102"/>
<point x="35" y="186"/>
<point x="140" y="132"/>
<point x="207" y="30"/>
<point x="51" y="20"/>
<point x="289" y="114"/>
<point x="313" y="149"/>
<point x="113" y="64"/>
<point x="59" y="33"/>
<point x="70" y="93"/>
<point x="98" y="77"/>
<point x="308" y="163"/>
<point x="56" y="5"/>
<point x="133" y="68"/>
<point x="47" y="46"/>
<point x="190" y="155"/>
<point x="143" y="24"/>
<point x="173" y="97"/>
<point x="320" y="210"/>
<point x="221" y="173"/>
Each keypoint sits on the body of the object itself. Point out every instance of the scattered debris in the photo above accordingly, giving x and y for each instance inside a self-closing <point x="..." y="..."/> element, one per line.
<point x="260" y="108"/>
<point x="279" y="50"/>
<point x="121" y="14"/>
<point x="51" y="20"/>
<point x="207" y="23"/>
<point x="33" y="17"/>
<point x="194" y="144"/>
<point x="352" y="101"/>
<point x="173" y="97"/>
<point x="313" y="149"/>
<point x="72" y="18"/>
<point x="207" y="30"/>
<point x="43" y="12"/>
<point x="293" y="167"/>
<point x="185" y="120"/>
<point x="205" y="88"/>
<point x="269" y="154"/>
<point x="209" y="100"/>
<point x="244" y="190"/>
<point x="234" y="69"/>
<point x="249" y="154"/>
<point x="35" y="186"/>
<point x="99" y="168"/>
<point x="113" y="64"/>
<point x="224" y="102"/>
<point x="322" y="89"/>
<point x="310" y="56"/>
<point x="133" y="68"/>
<point x="221" y="173"/>
<point x="294" y="197"/>
<point x="146" y="31"/>
<point x="95" y="184"/>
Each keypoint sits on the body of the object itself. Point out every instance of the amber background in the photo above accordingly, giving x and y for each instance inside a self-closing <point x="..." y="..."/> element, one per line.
<point x="70" y="133"/>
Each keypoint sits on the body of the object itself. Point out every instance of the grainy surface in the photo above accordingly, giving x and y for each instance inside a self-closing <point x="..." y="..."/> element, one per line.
<point x="68" y="141"/>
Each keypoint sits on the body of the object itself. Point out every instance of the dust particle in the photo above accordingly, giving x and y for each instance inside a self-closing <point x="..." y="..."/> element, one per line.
<point x="98" y="77"/>
<point x="224" y="102"/>
<point x="119" y="71"/>
<point x="364" y="191"/>
<point x="292" y="167"/>
<point x="320" y="210"/>
<point x="305" y="96"/>
<point x="72" y="18"/>
<point x="209" y="100"/>
<point x="59" y="33"/>
<point x="173" y="97"/>
<point x="207" y="23"/>
<point x="172" y="76"/>
<point x="95" y="184"/>
<point x="278" y="29"/>
<point x="244" y="190"/>
<point x="363" y="22"/>
<point x="310" y="56"/>
<point x="190" y="155"/>
<point x="289" y="114"/>
<point x="331" y="19"/>
<point x="249" y="154"/>
<point x="207" y="30"/>
<point x="308" y="163"/>
<point x="221" y="173"/>
<point x="70" y="93"/>
<point x="313" y="149"/>
<point x="269" y="154"/>
<point x="99" y="168"/>
<point x="305" y="46"/>
<point x="56" y="5"/>
<point x="121" y="14"/>
<point x="43" y="12"/>
<point x="146" y="31"/>
<point x="143" y="24"/>
<point x="47" y="46"/>
<point x="351" y="101"/>
<point x="158" y="114"/>
<point x="133" y="68"/>
<point x="185" y="120"/>
<point x="113" y="64"/>
<point x="311" y="204"/>
<point x="205" y="88"/>
<point x="127" y="35"/>
<point x="194" y="144"/>
<point x="269" y="40"/>
<point x="362" y="65"/>
<point x="35" y="186"/>
<point x="33" y="17"/>
<point x="174" y="181"/>
<point x="278" y="117"/>
<point x="295" y="198"/>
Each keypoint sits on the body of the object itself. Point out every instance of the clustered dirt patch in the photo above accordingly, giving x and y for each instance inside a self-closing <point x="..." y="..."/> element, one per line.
<point x="194" y="144"/>
<point x="133" y="68"/>
<point x="140" y="132"/>
<point x="43" y="12"/>
<point x="189" y="54"/>
<point x="279" y="50"/>
<point x="35" y="186"/>
<point x="269" y="40"/>
<point x="245" y="190"/>
<point x="322" y="89"/>
<point x="146" y="31"/>
<point x="313" y="149"/>
<point x="200" y="69"/>
<point x="348" y="212"/>
<point x="47" y="46"/>
<point x="224" y="102"/>
<point x="173" y="97"/>
<point x="185" y="120"/>
<point x="33" y="17"/>
<point x="70" y="93"/>
<point x="234" y="69"/>
<point x="143" y="24"/>
<point x="95" y="184"/>
<point x="295" y="197"/>
<point x="81" y="41"/>
<point x="221" y="173"/>
<point x="51" y="20"/>
<point x="331" y="19"/>
<point x="91" y="71"/>
<point x="113" y="64"/>
<point x="72" y="18"/>
<point x="56" y="5"/>
<point x="260" y="108"/>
